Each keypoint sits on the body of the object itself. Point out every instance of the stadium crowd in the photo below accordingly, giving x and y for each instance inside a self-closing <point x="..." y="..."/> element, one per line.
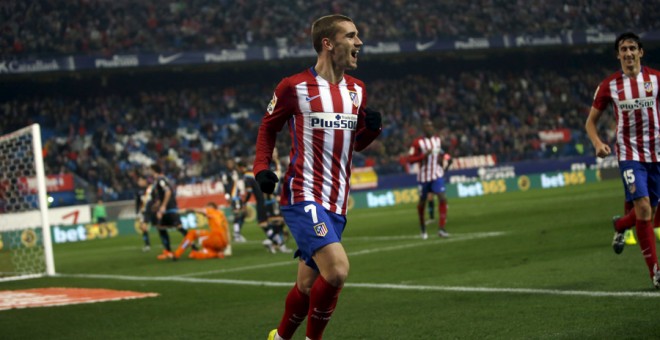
<point x="192" y="131"/>
<point x="102" y="27"/>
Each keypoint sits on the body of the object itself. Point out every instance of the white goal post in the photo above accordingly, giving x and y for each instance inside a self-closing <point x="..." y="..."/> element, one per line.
<point x="26" y="248"/>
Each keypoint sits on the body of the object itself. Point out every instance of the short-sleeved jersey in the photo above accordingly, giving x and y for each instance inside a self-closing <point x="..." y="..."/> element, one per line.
<point x="430" y="166"/>
<point x="326" y="123"/>
<point x="160" y="186"/>
<point x="635" y="105"/>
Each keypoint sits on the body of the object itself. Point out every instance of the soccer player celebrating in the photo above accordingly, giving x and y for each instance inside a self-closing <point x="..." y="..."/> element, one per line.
<point x="433" y="163"/>
<point x="633" y="94"/>
<point x="328" y="119"/>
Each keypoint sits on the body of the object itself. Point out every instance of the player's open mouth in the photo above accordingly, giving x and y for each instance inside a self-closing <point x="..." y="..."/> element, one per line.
<point x="354" y="53"/>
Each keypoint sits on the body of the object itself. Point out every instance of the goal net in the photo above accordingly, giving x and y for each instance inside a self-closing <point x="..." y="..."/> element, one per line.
<point x="25" y="242"/>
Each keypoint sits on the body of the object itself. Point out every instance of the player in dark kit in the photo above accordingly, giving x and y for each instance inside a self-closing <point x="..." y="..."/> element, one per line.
<point x="235" y="192"/>
<point x="268" y="215"/>
<point x="143" y="209"/>
<point x="164" y="210"/>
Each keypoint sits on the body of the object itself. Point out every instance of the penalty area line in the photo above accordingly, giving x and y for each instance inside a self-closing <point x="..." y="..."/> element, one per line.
<point x="384" y="286"/>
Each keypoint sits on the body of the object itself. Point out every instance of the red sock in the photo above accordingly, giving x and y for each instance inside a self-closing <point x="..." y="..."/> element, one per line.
<point x="420" y="213"/>
<point x="627" y="206"/>
<point x="322" y="302"/>
<point x="442" y="207"/>
<point x="647" y="243"/>
<point x="295" y="310"/>
<point x="627" y="221"/>
<point x="656" y="218"/>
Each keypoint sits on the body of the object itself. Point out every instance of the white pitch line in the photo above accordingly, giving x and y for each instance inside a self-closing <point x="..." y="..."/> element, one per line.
<point x="385" y="286"/>
<point x="457" y="238"/>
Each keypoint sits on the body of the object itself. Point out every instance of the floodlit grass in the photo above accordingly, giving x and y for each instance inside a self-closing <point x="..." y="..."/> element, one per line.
<point x="526" y="265"/>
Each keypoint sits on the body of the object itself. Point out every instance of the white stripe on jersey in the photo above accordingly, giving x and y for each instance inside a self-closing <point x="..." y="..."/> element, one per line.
<point x="328" y="139"/>
<point x="330" y="166"/>
<point x="638" y="149"/>
<point x="430" y="168"/>
<point x="308" y="153"/>
<point x="654" y="80"/>
<point x="343" y="175"/>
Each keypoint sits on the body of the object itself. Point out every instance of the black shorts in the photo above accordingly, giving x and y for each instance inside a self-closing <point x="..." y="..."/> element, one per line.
<point x="168" y="220"/>
<point x="273" y="208"/>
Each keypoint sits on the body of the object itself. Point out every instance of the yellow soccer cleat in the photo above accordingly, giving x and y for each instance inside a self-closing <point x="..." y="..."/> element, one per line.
<point x="629" y="237"/>
<point x="271" y="335"/>
<point x="657" y="233"/>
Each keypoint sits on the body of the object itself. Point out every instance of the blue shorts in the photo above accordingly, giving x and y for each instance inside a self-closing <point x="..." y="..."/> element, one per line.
<point x="436" y="186"/>
<point x="313" y="227"/>
<point x="640" y="180"/>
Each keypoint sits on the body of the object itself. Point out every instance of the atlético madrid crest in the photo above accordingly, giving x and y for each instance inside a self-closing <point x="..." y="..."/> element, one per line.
<point x="354" y="98"/>
<point x="320" y="229"/>
<point x="648" y="86"/>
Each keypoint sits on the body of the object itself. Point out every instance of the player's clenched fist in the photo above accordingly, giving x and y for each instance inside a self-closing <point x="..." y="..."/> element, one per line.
<point x="267" y="181"/>
<point x="603" y="150"/>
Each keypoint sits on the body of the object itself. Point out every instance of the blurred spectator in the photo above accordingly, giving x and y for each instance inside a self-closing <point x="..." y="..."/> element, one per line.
<point x="192" y="131"/>
<point x="104" y="27"/>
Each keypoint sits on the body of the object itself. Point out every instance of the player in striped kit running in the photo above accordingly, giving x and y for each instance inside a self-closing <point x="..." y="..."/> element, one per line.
<point x="433" y="162"/>
<point x="326" y="112"/>
<point x="633" y="94"/>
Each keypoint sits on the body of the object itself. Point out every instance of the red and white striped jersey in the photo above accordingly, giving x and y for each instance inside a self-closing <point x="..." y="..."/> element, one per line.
<point x="635" y="105"/>
<point x="326" y="123"/>
<point x="427" y="151"/>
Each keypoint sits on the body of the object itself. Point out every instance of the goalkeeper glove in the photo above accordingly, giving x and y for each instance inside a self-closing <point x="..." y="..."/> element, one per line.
<point x="267" y="181"/>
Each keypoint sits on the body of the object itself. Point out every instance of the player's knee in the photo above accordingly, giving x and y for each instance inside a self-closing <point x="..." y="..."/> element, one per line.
<point x="337" y="274"/>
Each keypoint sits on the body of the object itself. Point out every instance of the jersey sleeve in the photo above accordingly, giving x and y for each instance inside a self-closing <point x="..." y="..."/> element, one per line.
<point x="278" y="112"/>
<point x="364" y="136"/>
<point x="415" y="154"/>
<point x="602" y="97"/>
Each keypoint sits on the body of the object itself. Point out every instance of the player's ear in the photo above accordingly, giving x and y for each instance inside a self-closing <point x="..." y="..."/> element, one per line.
<point x="327" y="44"/>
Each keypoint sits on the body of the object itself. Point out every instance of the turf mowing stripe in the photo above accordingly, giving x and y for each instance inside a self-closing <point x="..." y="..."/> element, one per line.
<point x="456" y="238"/>
<point x="530" y="291"/>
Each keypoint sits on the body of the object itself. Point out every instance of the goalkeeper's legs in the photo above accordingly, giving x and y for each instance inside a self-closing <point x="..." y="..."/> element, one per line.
<point x="187" y="241"/>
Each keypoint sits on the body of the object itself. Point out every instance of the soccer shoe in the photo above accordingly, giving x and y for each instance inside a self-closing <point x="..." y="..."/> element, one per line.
<point x="166" y="255"/>
<point x="227" y="250"/>
<point x="284" y="249"/>
<point x="238" y="238"/>
<point x="443" y="233"/>
<point x="656" y="277"/>
<point x="178" y="252"/>
<point x="269" y="246"/>
<point x="146" y="249"/>
<point x="657" y="233"/>
<point x="424" y="236"/>
<point x="272" y="335"/>
<point x="629" y="237"/>
<point x="619" y="240"/>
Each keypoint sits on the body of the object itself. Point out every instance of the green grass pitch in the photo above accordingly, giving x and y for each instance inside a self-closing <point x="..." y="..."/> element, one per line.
<point x="527" y="265"/>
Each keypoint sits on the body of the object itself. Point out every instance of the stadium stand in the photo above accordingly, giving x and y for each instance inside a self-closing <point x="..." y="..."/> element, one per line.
<point x="105" y="132"/>
<point x="108" y="27"/>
